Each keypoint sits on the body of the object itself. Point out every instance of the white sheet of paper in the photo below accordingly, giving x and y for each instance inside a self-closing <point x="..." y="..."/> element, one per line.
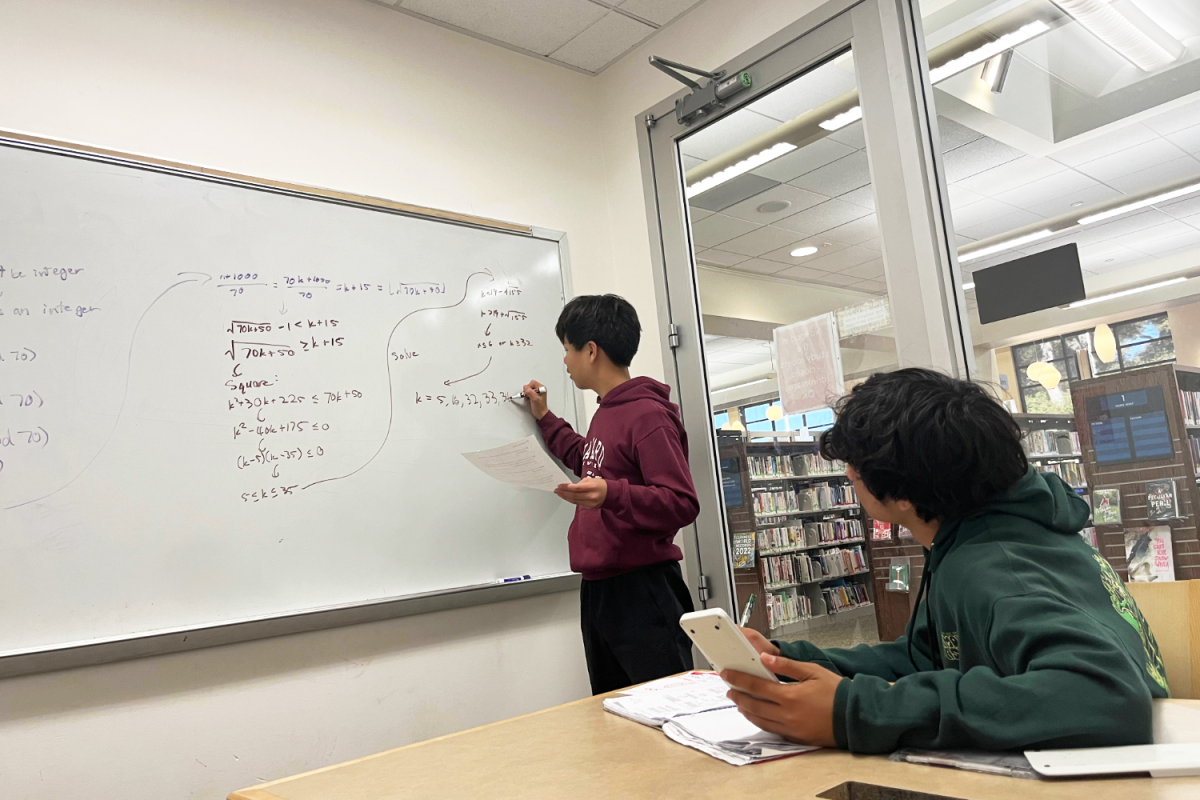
<point x="523" y="463"/>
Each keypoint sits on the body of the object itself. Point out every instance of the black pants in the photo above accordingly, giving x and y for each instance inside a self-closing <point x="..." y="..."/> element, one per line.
<point x="630" y="625"/>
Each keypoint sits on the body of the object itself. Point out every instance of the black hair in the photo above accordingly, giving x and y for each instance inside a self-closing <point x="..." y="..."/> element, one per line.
<point x="606" y="319"/>
<point x="945" y="445"/>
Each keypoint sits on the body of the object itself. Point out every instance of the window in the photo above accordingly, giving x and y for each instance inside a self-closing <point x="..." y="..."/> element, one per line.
<point x="720" y="419"/>
<point x="1140" y="343"/>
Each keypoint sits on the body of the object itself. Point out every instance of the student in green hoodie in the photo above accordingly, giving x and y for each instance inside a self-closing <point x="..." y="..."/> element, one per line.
<point x="1022" y="635"/>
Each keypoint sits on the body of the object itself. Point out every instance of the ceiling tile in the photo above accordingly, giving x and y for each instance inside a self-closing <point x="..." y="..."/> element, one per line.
<point x="1153" y="177"/>
<point x="1086" y="198"/>
<point x="1137" y="158"/>
<point x="834" y="279"/>
<point x="955" y="134"/>
<point x="1010" y="175"/>
<point x="960" y="197"/>
<point x="1186" y="207"/>
<point x="874" y="287"/>
<point x="698" y="213"/>
<point x="1162" y="239"/>
<point x="801" y="274"/>
<point x="841" y="176"/>
<point x="1175" y="120"/>
<point x="818" y="219"/>
<point x="602" y="42"/>
<point x="1106" y="231"/>
<point x="784" y="254"/>
<point x="998" y="225"/>
<point x="868" y="270"/>
<point x="539" y="26"/>
<point x="855" y="232"/>
<point x="726" y="133"/>
<point x="807" y="92"/>
<point x="977" y="213"/>
<point x="1044" y="189"/>
<point x="797" y="200"/>
<point x="1104" y="145"/>
<point x="761" y="241"/>
<point x="1104" y="256"/>
<point x="1187" y="139"/>
<point x="719" y="228"/>
<point x="977" y="156"/>
<point x="690" y="161"/>
<point x="660" y="12"/>
<point x="843" y="260"/>
<point x="804" y="159"/>
<point x="864" y="197"/>
<point x="760" y="266"/>
<point x="724" y="195"/>
<point x="719" y="258"/>
<point x="853" y="135"/>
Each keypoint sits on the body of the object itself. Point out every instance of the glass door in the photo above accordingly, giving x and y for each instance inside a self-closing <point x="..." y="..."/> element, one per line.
<point x="799" y="225"/>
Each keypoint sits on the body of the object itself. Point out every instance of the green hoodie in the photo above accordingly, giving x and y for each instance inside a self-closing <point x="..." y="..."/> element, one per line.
<point x="1036" y="642"/>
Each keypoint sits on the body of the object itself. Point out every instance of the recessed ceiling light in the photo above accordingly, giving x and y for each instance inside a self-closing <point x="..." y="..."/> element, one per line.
<point x="1126" y="293"/>
<point x="740" y="168"/>
<point x="1140" y="204"/>
<point x="800" y="252"/>
<point x="1077" y="204"/>
<point x="773" y="206"/>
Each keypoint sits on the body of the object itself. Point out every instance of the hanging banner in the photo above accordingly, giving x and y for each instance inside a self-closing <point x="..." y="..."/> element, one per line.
<point x="809" y="364"/>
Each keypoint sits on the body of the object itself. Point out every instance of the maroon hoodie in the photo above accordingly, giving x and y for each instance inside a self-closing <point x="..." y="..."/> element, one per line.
<point x="637" y="444"/>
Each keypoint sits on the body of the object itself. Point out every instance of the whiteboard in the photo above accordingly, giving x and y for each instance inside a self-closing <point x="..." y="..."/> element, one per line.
<point x="221" y="402"/>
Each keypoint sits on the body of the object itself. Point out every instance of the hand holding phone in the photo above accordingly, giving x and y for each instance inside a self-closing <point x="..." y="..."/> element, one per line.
<point x="723" y="644"/>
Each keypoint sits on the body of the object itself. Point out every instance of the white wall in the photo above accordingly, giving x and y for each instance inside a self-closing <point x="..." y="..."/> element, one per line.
<point x="348" y="95"/>
<point x="333" y="93"/>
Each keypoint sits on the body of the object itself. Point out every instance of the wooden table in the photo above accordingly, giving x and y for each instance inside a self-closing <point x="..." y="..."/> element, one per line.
<point x="580" y="750"/>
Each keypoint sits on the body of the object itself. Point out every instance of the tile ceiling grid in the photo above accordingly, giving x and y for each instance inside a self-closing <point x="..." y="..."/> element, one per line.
<point x="584" y="35"/>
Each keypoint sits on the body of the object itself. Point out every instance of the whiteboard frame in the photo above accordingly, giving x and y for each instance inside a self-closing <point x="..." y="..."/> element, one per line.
<point x="195" y="637"/>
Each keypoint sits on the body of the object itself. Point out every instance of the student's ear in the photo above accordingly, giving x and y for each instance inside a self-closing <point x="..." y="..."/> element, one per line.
<point x="592" y="351"/>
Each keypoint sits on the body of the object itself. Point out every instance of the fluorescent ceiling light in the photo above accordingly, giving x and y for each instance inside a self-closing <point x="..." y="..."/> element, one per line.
<point x="990" y="50"/>
<point x="1132" y="34"/>
<point x="843" y="119"/>
<point x="740" y="385"/>
<point x="1149" y="201"/>
<point x="1125" y="293"/>
<point x="803" y="251"/>
<point x="740" y="168"/>
<point x="1008" y="245"/>
<point x="968" y="286"/>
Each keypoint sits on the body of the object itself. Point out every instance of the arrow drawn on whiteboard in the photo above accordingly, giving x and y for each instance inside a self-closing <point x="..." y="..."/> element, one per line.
<point x="282" y="309"/>
<point x="476" y="375"/>
<point x="125" y="390"/>
<point x="387" y="346"/>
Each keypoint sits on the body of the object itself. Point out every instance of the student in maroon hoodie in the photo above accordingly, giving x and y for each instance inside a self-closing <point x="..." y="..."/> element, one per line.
<point x="635" y="493"/>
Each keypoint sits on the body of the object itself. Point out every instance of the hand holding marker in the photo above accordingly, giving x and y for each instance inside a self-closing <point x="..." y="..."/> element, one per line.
<point x="521" y="394"/>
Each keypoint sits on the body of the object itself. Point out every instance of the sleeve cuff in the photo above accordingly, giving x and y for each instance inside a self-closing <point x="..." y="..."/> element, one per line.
<point x="841" y="708"/>
<point x="616" y="497"/>
<point x="548" y="422"/>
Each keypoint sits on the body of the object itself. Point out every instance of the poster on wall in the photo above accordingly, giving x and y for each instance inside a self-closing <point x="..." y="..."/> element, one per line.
<point x="1148" y="554"/>
<point x="809" y="364"/>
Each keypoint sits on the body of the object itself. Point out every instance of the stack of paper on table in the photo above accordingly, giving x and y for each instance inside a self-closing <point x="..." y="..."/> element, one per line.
<point x="693" y="710"/>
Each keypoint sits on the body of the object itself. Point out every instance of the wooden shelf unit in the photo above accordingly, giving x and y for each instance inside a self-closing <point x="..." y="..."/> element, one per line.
<point x="1131" y="477"/>
<point x="734" y="452"/>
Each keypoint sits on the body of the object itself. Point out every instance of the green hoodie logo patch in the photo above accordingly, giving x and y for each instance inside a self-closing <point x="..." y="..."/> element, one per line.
<point x="1124" y="605"/>
<point x="950" y="646"/>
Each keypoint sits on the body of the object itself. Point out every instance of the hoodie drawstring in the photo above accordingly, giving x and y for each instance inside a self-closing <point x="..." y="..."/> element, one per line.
<point x="935" y="655"/>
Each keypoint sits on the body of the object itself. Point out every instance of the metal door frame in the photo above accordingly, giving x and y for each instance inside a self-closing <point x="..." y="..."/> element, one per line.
<point x="924" y="283"/>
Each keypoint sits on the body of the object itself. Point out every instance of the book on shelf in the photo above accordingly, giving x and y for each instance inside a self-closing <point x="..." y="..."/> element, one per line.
<point x="843" y="596"/>
<point x="770" y="466"/>
<point x="1106" y="506"/>
<point x="812" y="567"/>
<point x="881" y="531"/>
<point x="1051" y="442"/>
<point x="1089" y="536"/>
<point x="786" y="608"/>
<point x="810" y="534"/>
<point x="743" y="550"/>
<point x="1162" y="501"/>
<point x="814" y="464"/>
<point x="1148" y="554"/>
<point x="1190" y="402"/>
<point x="1070" y="471"/>
<point x="1194" y="446"/>
<point x="821" y="497"/>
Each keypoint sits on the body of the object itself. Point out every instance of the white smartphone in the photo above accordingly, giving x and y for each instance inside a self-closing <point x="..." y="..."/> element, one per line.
<point x="723" y="644"/>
